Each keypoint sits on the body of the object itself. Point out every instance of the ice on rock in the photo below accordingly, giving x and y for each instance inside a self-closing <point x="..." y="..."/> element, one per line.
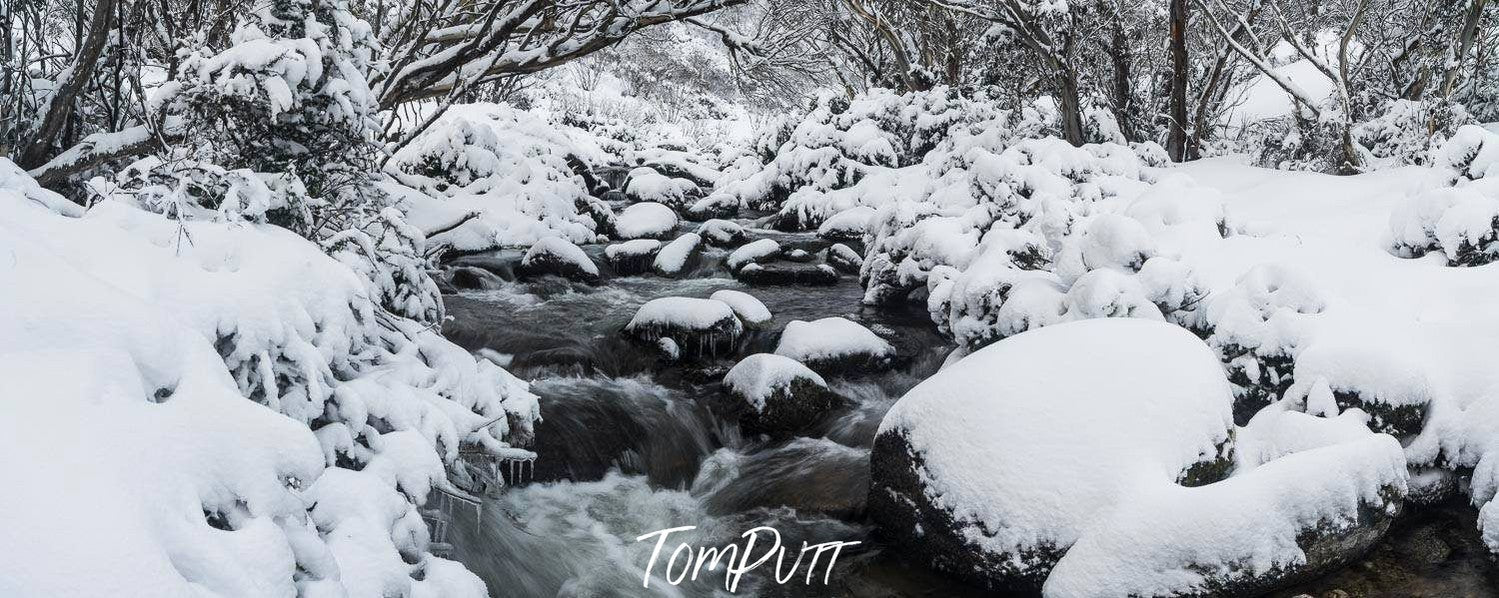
<point x="645" y="220"/>
<point x="750" y="310"/>
<point x="554" y="255"/>
<point x="993" y="467"/>
<point x="698" y="326"/>
<point x="674" y="256"/>
<point x="752" y="252"/>
<point x="834" y="344"/>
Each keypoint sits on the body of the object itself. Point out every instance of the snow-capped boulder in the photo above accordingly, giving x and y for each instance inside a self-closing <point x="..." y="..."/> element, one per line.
<point x="835" y="345"/>
<point x="782" y="395"/>
<point x="645" y="220"/>
<point x="645" y="184"/>
<point x="675" y="256"/>
<point x="750" y="310"/>
<point x="798" y="254"/>
<point x="632" y="257"/>
<point x="556" y="256"/>
<point x="844" y="259"/>
<point x="786" y="273"/>
<point x="848" y="225"/>
<point x="1364" y="371"/>
<point x="1290" y="520"/>
<point x="996" y="465"/>
<point x="697" y="326"/>
<point x="717" y="205"/>
<point x="762" y="250"/>
<point x="721" y="233"/>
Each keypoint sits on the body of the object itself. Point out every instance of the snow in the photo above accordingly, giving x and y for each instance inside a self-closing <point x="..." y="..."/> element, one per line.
<point x="720" y="232"/>
<point x="761" y="375"/>
<point x="848" y="224"/>
<point x="634" y="247"/>
<point x="750" y="253"/>
<point x="1171" y="540"/>
<point x="191" y="360"/>
<point x="830" y="338"/>
<point x="674" y="255"/>
<point x="645" y="219"/>
<point x="1030" y="440"/>
<point x="645" y="184"/>
<point x="1263" y="99"/>
<point x="688" y="313"/>
<point x="557" y="249"/>
<point x="750" y="310"/>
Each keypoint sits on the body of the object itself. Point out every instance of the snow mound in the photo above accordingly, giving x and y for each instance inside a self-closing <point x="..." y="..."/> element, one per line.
<point x="750" y="310"/>
<point x="993" y="467"/>
<point x="833" y="343"/>
<point x="645" y="220"/>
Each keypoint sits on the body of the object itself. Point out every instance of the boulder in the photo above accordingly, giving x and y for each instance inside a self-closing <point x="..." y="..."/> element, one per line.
<point x="787" y="273"/>
<point x="761" y="250"/>
<point x="844" y="259"/>
<point x="992" y="468"/>
<point x="782" y="396"/>
<point x="555" y="256"/>
<point x="722" y="233"/>
<point x="676" y="255"/>
<point x="632" y="257"/>
<point x="698" y="327"/>
<point x="718" y="205"/>
<point x="750" y="310"/>
<point x="645" y="220"/>
<point x="835" y="344"/>
<point x="848" y="225"/>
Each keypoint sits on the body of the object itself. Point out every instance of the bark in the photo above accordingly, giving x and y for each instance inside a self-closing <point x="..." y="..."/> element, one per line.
<point x="59" y="108"/>
<point x="1176" y="143"/>
<point x="1465" y="44"/>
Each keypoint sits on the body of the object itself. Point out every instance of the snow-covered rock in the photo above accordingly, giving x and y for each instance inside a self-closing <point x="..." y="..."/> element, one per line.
<point x="750" y="310"/>
<point x="763" y="249"/>
<point x="556" y="256"/>
<point x="721" y="233"/>
<point x="675" y="256"/>
<point x="848" y="225"/>
<point x="717" y="205"/>
<point x="834" y="345"/>
<point x="645" y="184"/>
<point x="1288" y="521"/>
<point x="645" y="220"/>
<point x="844" y="259"/>
<point x="632" y="257"/>
<point x="698" y="326"/>
<point x="786" y="273"/>
<point x="995" y="466"/>
<point x="783" y="396"/>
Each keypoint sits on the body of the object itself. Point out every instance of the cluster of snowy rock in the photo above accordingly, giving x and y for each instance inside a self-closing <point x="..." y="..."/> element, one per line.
<point x="254" y="414"/>
<point x="1458" y="218"/>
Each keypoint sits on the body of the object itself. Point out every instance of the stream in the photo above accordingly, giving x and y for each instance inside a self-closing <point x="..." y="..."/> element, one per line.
<point x="630" y="444"/>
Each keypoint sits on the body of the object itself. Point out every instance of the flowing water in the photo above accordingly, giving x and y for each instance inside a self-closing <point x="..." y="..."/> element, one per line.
<point x="631" y="444"/>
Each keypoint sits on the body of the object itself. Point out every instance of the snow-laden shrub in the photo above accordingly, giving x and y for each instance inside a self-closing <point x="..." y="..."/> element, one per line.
<point x="1459" y="217"/>
<point x="515" y="173"/>
<point x="389" y="402"/>
<point x="1407" y="132"/>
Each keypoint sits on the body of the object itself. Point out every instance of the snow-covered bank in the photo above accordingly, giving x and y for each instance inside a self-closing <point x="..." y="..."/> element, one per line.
<point x="218" y="376"/>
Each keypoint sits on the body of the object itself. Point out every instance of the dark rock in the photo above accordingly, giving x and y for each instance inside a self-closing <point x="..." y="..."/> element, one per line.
<point x="844" y="259"/>
<point x="554" y="256"/>
<point x="776" y="273"/>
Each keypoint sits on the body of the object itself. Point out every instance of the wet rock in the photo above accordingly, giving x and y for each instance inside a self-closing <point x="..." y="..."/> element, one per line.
<point x="556" y="256"/>
<point x="473" y="278"/>
<point x="785" y="273"/>
<point x="799" y="255"/>
<point x="632" y="257"/>
<point x="782" y="396"/>
<point x="844" y="259"/>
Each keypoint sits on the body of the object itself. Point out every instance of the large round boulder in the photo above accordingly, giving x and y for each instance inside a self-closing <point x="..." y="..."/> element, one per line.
<point x="835" y="345"/>
<point x="556" y="256"/>
<point x="698" y="327"/>
<point x="645" y="220"/>
<point x="991" y="469"/>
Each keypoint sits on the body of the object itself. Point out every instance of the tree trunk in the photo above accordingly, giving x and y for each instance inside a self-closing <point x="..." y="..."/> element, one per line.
<point x="1072" y="110"/>
<point x="1123" y="81"/>
<point x="1176" y="143"/>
